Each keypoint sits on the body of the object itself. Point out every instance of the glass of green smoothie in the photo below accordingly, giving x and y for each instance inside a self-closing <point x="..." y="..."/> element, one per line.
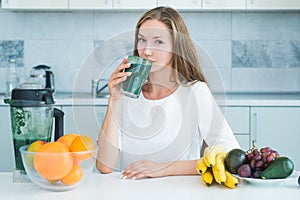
<point x="140" y="68"/>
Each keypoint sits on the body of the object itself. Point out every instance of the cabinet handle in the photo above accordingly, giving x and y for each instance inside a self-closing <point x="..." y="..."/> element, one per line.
<point x="255" y="127"/>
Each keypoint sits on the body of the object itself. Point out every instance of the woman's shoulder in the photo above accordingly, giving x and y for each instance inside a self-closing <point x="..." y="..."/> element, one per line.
<point x="199" y="85"/>
<point x="200" y="90"/>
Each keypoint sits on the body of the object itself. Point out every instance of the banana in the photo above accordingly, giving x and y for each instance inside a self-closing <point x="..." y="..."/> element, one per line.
<point x="207" y="177"/>
<point x="210" y="153"/>
<point x="231" y="181"/>
<point x="200" y="166"/>
<point x="219" y="168"/>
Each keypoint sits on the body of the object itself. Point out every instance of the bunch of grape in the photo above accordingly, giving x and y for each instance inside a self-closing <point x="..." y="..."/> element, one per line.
<point x="259" y="160"/>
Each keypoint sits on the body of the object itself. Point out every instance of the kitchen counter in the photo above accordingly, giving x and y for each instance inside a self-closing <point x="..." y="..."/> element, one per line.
<point x="230" y="99"/>
<point x="110" y="186"/>
<point x="262" y="99"/>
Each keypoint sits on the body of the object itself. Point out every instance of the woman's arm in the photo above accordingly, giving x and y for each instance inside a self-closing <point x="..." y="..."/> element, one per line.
<point x="151" y="169"/>
<point x="108" y="139"/>
<point x="108" y="143"/>
<point x="182" y="167"/>
<point x="213" y="126"/>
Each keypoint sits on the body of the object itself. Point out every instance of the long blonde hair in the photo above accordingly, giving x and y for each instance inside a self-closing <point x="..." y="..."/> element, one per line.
<point x="185" y="60"/>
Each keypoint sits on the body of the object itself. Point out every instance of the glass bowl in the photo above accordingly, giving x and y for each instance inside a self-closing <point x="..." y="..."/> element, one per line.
<point x="36" y="167"/>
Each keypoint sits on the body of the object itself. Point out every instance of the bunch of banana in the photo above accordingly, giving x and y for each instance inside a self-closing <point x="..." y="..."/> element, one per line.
<point x="211" y="167"/>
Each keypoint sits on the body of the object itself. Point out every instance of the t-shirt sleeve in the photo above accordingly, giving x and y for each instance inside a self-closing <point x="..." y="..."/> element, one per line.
<point x="212" y="124"/>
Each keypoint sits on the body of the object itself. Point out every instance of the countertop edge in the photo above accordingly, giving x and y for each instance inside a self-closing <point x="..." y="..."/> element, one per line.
<point x="86" y="99"/>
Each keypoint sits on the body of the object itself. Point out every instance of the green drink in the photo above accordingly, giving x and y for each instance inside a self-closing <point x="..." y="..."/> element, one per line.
<point x="32" y="115"/>
<point x="140" y="69"/>
<point x="21" y="141"/>
<point x="28" y="125"/>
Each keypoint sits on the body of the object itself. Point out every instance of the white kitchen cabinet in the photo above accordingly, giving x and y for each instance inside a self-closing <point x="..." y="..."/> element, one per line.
<point x="6" y="141"/>
<point x="84" y="120"/>
<point x="279" y="128"/>
<point x="243" y="141"/>
<point x="224" y="4"/>
<point x="198" y="5"/>
<point x="238" y="120"/>
<point x="134" y="4"/>
<point x="273" y="4"/>
<point x="35" y="4"/>
<point x="179" y="4"/>
<point x="90" y="4"/>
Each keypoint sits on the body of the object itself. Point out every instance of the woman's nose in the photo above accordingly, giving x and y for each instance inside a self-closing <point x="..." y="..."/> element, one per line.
<point x="148" y="50"/>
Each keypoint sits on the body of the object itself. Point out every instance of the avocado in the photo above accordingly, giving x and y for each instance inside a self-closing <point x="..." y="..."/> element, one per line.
<point x="234" y="159"/>
<point x="282" y="167"/>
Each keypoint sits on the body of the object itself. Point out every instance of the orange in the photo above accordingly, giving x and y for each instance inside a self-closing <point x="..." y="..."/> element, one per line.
<point x="35" y="145"/>
<point x="74" y="176"/>
<point x="82" y="143"/>
<point x="53" y="161"/>
<point x="67" y="139"/>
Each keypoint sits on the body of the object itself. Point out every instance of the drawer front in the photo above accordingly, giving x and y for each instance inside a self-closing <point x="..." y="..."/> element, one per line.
<point x="85" y="120"/>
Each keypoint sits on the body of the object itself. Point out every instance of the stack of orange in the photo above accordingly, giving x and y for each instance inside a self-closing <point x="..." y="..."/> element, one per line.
<point x="56" y="163"/>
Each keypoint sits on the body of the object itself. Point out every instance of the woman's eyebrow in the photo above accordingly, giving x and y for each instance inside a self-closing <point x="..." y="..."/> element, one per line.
<point x="155" y="37"/>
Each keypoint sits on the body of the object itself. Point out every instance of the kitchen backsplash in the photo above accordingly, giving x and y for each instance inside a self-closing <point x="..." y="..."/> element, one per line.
<point x="266" y="54"/>
<point x="13" y="48"/>
<point x="253" y="52"/>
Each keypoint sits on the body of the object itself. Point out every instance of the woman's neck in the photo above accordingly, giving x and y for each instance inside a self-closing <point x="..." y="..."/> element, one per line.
<point x="160" y="84"/>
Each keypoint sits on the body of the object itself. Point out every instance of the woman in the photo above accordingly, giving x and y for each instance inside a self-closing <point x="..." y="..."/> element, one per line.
<point x="161" y="133"/>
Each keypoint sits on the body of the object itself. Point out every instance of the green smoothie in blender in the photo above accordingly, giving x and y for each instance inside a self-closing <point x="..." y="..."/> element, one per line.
<point x="32" y="116"/>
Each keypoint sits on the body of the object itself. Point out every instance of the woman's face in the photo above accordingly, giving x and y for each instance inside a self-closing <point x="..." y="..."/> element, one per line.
<point x="155" y="44"/>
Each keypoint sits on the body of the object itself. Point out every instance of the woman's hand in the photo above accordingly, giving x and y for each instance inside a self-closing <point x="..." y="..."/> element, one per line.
<point x="144" y="169"/>
<point x="117" y="77"/>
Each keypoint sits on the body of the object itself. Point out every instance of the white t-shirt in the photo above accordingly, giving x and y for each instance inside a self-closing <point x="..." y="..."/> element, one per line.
<point x="172" y="128"/>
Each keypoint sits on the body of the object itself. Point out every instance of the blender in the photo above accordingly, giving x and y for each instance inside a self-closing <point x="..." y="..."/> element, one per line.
<point x="32" y="115"/>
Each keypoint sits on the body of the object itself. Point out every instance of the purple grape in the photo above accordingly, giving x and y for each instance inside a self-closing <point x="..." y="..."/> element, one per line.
<point x="265" y="149"/>
<point x="270" y="158"/>
<point x="257" y="174"/>
<point x="257" y="157"/>
<point x="255" y="152"/>
<point x="259" y="164"/>
<point x="250" y="156"/>
<point x="264" y="158"/>
<point x="244" y="170"/>
<point x="277" y="155"/>
<point x="266" y="153"/>
<point x="252" y="164"/>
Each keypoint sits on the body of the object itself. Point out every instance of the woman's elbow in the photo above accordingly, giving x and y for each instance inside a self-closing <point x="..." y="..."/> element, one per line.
<point x="104" y="169"/>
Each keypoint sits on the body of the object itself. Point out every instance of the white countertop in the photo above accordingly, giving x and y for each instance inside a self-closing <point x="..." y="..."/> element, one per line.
<point x="232" y="99"/>
<point x="100" y="186"/>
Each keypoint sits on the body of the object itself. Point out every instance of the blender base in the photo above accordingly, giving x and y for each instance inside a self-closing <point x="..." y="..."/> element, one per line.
<point x="20" y="176"/>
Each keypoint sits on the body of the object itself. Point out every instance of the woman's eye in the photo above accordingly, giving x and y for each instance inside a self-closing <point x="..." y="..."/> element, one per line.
<point x="141" y="40"/>
<point x="158" y="42"/>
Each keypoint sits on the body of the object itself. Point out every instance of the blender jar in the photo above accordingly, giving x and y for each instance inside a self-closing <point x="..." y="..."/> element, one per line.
<point x="32" y="114"/>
